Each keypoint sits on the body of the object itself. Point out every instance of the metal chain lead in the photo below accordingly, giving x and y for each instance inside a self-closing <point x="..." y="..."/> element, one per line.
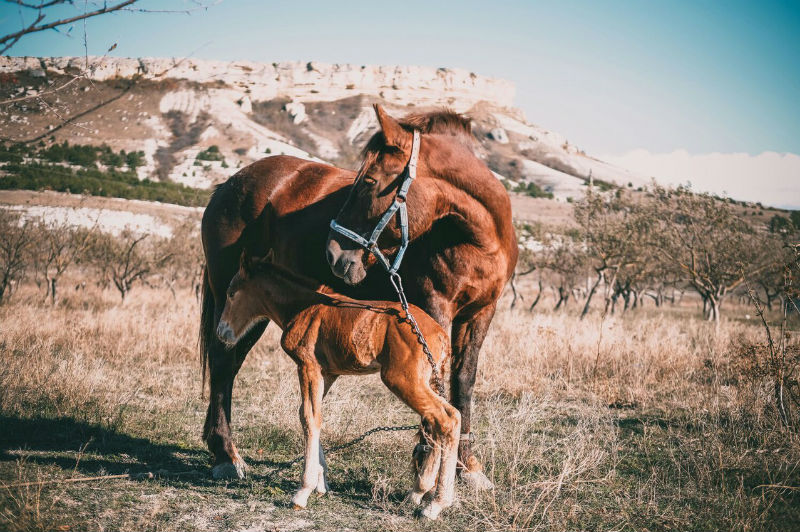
<point x="397" y="283"/>
<point x="286" y="465"/>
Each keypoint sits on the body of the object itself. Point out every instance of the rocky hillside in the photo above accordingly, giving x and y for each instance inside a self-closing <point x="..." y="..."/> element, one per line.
<point x="197" y="121"/>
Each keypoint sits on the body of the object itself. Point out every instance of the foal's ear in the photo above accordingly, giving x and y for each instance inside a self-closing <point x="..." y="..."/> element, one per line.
<point x="265" y="260"/>
<point x="393" y="132"/>
<point x="245" y="264"/>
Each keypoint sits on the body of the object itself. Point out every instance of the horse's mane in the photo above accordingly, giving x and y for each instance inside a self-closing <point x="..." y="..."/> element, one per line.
<point x="439" y="122"/>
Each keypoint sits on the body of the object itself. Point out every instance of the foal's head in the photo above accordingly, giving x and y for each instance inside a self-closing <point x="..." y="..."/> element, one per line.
<point x="245" y="300"/>
<point x="386" y="156"/>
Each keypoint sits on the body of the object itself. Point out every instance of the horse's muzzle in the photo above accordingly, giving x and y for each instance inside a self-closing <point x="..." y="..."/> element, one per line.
<point x="346" y="264"/>
<point x="225" y="333"/>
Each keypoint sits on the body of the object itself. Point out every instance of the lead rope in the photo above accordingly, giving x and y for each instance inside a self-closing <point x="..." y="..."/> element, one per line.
<point x="397" y="284"/>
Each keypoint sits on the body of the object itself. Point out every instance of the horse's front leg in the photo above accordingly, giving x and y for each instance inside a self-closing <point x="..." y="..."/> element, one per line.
<point x="224" y="364"/>
<point x="322" y="483"/>
<point x="468" y="335"/>
<point x="311" y="392"/>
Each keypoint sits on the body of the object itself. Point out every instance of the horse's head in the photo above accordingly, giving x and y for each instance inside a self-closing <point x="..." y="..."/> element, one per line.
<point x="383" y="171"/>
<point x="244" y="300"/>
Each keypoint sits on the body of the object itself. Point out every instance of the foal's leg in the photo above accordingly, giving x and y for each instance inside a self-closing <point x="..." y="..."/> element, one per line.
<point x="322" y="483"/>
<point x="412" y="387"/>
<point x="311" y="390"/>
<point x="448" y="436"/>
<point x="428" y="467"/>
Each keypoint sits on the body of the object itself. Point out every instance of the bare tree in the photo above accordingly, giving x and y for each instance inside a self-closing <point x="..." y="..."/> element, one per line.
<point x="57" y="248"/>
<point x="782" y="362"/>
<point x="126" y="259"/>
<point x="183" y="257"/>
<point x="612" y="233"/>
<point x="48" y="15"/>
<point x="14" y="244"/>
<point x="565" y="257"/>
<point x="702" y="237"/>
<point x="45" y="8"/>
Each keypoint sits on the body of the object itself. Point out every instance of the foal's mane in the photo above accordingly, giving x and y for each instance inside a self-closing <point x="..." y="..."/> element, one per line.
<point x="439" y="122"/>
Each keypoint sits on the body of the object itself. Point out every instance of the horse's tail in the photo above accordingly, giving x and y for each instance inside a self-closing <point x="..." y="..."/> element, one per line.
<point x="206" y="326"/>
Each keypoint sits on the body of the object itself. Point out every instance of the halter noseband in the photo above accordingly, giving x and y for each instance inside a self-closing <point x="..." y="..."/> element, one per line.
<point x="397" y="206"/>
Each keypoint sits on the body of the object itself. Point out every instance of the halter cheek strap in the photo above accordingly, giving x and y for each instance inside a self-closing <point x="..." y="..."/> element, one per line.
<point x="398" y="207"/>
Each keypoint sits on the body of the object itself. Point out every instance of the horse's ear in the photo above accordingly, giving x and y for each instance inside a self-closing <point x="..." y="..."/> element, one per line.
<point x="467" y="123"/>
<point x="393" y="132"/>
<point x="244" y="263"/>
<point x="265" y="260"/>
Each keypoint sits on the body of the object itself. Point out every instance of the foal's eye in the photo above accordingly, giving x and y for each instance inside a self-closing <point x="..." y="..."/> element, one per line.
<point x="370" y="181"/>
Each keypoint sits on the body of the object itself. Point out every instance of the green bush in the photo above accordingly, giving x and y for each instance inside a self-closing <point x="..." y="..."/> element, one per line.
<point x="533" y="190"/>
<point x="134" y="159"/>
<point x="112" y="183"/>
<point x="210" y="154"/>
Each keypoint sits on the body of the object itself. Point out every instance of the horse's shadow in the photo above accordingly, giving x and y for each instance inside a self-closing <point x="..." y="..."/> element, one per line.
<point x="84" y="449"/>
<point x="88" y="449"/>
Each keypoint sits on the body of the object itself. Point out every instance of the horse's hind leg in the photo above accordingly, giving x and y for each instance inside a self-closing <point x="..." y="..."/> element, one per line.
<point x="468" y="334"/>
<point x="224" y="364"/>
<point x="311" y="390"/>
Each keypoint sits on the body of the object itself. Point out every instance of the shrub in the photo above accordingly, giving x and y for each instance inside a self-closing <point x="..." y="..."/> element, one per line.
<point x="112" y="183"/>
<point x="210" y="154"/>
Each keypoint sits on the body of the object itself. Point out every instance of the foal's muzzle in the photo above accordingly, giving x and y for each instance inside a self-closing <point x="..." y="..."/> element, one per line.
<point x="225" y="333"/>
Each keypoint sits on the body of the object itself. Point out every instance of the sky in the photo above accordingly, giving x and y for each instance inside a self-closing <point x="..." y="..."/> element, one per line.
<point x="696" y="91"/>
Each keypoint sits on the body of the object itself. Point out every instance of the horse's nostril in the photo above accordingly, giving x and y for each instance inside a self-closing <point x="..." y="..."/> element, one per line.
<point x="330" y="256"/>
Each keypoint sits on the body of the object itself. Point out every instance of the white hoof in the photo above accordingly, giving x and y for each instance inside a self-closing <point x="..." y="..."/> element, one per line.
<point x="476" y="480"/>
<point x="300" y="499"/>
<point x="229" y="471"/>
<point x="431" y="511"/>
<point x="415" y="497"/>
<point x="322" y="484"/>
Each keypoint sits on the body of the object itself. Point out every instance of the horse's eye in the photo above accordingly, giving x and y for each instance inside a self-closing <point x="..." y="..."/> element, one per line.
<point x="370" y="181"/>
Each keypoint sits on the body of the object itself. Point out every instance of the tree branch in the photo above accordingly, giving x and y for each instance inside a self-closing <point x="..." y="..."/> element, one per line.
<point x="33" y="28"/>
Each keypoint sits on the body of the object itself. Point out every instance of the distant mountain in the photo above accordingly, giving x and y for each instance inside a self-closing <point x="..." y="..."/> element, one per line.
<point x="197" y="121"/>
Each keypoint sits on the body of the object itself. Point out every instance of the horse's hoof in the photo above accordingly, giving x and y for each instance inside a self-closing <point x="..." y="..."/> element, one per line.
<point x="300" y="499"/>
<point x="476" y="480"/>
<point x="414" y="497"/>
<point x="229" y="471"/>
<point x="431" y="511"/>
<point x="322" y="485"/>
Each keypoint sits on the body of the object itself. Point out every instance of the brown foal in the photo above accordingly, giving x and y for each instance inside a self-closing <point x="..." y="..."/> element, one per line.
<point x="328" y="335"/>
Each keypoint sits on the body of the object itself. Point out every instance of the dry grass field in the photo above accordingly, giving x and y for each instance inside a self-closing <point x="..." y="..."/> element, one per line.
<point x="647" y="422"/>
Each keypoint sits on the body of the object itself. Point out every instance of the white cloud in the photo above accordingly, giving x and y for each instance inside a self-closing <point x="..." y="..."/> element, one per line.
<point x="771" y="178"/>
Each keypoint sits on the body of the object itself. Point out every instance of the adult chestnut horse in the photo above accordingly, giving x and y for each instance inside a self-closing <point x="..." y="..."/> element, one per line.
<point x="463" y="249"/>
